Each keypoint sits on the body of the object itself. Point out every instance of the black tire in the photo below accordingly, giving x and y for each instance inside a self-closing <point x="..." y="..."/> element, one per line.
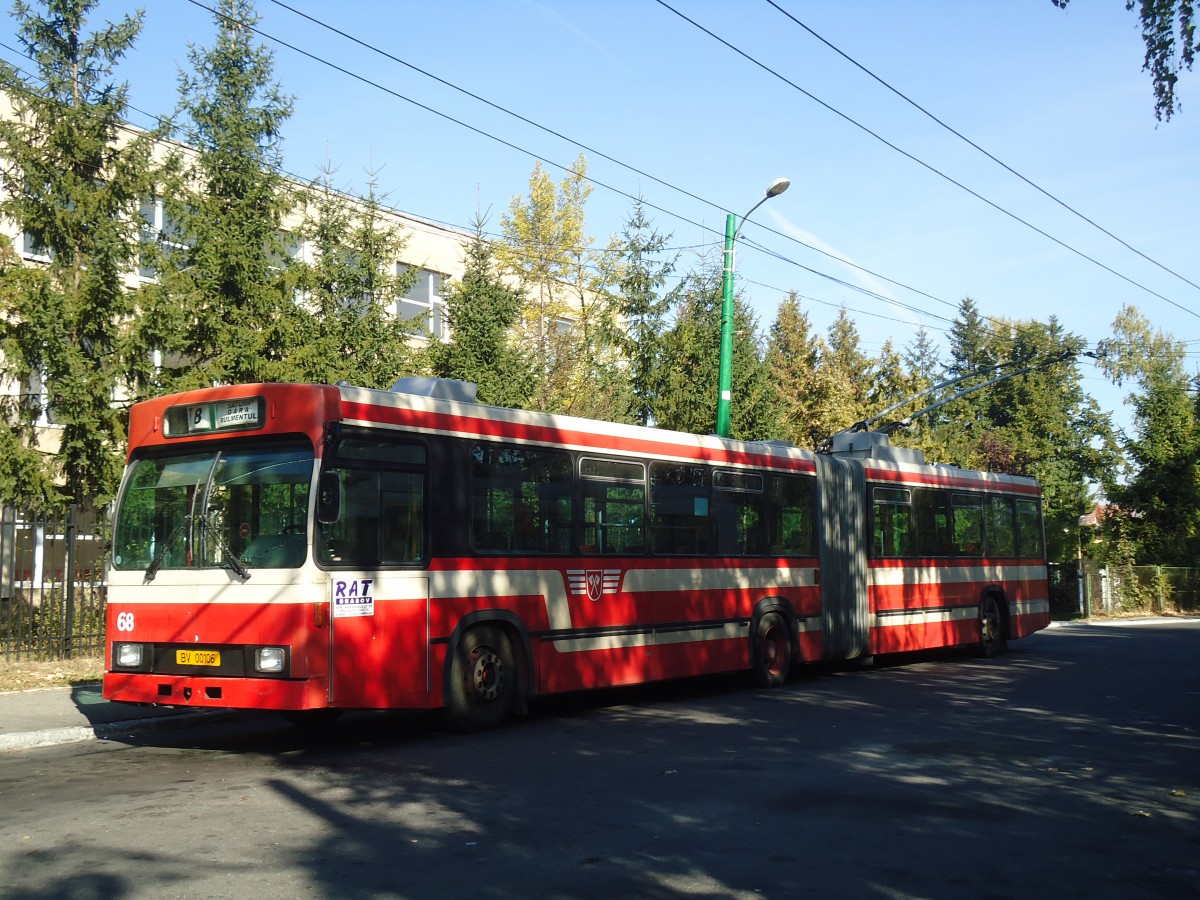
<point x="992" y="641"/>
<point x="772" y="650"/>
<point x="483" y="679"/>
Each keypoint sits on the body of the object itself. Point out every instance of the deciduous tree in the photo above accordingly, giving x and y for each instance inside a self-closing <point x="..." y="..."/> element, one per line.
<point x="1169" y="33"/>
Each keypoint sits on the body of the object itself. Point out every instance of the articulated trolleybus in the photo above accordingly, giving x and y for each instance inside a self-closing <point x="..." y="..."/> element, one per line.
<point x="306" y="548"/>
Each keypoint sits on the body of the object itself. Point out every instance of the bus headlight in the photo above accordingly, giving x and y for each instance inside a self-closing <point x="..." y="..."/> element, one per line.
<point x="270" y="660"/>
<point x="126" y="655"/>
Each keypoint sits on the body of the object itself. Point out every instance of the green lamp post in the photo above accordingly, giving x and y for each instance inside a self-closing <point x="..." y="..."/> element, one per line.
<point x="725" y="374"/>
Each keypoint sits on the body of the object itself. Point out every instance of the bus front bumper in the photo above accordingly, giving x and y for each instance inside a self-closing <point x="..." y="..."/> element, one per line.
<point x="205" y="692"/>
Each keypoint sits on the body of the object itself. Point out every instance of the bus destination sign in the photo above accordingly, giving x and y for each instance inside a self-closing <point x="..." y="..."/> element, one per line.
<point x="218" y="415"/>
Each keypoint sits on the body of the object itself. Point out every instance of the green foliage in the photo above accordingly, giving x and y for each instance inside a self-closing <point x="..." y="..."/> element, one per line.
<point x="38" y="626"/>
<point x="73" y="185"/>
<point x="793" y="368"/>
<point x="1169" y="34"/>
<point x="348" y="328"/>
<point x="568" y="325"/>
<point x="639" y="279"/>
<point x="1160" y="500"/>
<point x="221" y="307"/>
<point x="846" y="373"/>
<point x="691" y="357"/>
<point x="482" y="311"/>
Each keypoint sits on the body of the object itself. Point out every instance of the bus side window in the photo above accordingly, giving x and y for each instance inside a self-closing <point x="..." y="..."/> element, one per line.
<point x="1000" y="536"/>
<point x="382" y="520"/>
<point x="968" y="524"/>
<point x="520" y="499"/>
<point x="931" y="509"/>
<point x="790" y="518"/>
<point x="679" y="508"/>
<point x="892" y="518"/>
<point x="738" y="513"/>
<point x="1029" y="530"/>
<point x="614" y="505"/>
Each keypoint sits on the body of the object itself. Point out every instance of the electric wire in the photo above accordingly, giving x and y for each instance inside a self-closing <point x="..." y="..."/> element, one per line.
<point x="920" y="162"/>
<point x="568" y="169"/>
<point x="583" y="146"/>
<point x="165" y="122"/>
<point x="964" y="138"/>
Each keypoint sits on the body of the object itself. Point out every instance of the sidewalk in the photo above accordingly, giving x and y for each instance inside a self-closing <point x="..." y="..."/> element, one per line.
<point x="46" y="716"/>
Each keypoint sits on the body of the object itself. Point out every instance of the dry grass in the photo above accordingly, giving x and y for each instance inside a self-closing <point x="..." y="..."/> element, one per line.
<point x="23" y="674"/>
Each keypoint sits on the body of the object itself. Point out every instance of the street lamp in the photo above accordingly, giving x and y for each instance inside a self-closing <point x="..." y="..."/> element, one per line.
<point x="725" y="373"/>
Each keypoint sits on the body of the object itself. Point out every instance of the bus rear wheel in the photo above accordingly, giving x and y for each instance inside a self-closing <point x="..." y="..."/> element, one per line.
<point x="991" y="628"/>
<point x="772" y="652"/>
<point x="483" y="679"/>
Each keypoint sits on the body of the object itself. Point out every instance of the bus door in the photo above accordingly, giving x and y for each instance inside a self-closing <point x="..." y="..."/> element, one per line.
<point x="842" y="544"/>
<point x="380" y="638"/>
<point x="374" y="549"/>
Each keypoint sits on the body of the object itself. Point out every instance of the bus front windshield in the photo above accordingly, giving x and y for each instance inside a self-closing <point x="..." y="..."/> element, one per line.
<point x="232" y="508"/>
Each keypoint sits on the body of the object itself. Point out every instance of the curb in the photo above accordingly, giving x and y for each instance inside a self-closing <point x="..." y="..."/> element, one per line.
<point x="74" y="734"/>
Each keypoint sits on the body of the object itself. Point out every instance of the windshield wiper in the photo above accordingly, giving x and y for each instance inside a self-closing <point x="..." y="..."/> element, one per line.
<point x="161" y="555"/>
<point x="234" y="562"/>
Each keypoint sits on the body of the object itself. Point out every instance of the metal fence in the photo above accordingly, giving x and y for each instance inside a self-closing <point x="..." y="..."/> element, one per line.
<point x="52" y="588"/>
<point x="1095" y="590"/>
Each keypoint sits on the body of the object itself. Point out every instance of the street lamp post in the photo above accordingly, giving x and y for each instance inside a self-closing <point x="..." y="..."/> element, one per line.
<point x="725" y="372"/>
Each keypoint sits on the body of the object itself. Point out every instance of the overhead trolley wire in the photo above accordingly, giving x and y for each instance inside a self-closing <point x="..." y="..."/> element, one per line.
<point x="577" y="143"/>
<point x="922" y="163"/>
<point x="566" y="168"/>
<point x="964" y="138"/>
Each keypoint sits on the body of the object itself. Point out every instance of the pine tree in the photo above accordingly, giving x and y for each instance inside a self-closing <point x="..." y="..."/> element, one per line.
<point x="925" y="368"/>
<point x="890" y="381"/>
<point x="793" y="356"/>
<point x="221" y="306"/>
<point x="688" y="400"/>
<point x="482" y="312"/>
<point x="73" y="183"/>
<point x="350" y="291"/>
<point x="640" y="279"/>
<point x="846" y="373"/>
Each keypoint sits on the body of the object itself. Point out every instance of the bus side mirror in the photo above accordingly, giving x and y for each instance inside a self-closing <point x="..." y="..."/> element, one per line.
<point x="329" y="498"/>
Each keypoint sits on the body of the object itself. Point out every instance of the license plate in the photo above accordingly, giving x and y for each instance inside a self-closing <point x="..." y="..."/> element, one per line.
<point x="198" y="657"/>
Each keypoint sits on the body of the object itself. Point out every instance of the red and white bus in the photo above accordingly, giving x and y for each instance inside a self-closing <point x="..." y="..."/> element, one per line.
<point x="300" y="547"/>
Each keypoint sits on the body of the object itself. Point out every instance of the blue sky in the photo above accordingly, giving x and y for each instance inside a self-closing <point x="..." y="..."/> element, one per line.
<point x="1059" y="96"/>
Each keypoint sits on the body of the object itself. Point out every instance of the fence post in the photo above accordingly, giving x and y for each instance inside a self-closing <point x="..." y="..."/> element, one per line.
<point x="69" y="575"/>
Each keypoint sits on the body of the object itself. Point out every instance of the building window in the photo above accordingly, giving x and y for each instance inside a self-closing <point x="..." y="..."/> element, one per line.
<point x="159" y="230"/>
<point x="33" y="251"/>
<point x="36" y="399"/>
<point x="423" y="305"/>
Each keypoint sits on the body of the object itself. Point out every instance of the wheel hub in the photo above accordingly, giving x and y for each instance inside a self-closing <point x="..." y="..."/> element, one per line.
<point x="487" y="673"/>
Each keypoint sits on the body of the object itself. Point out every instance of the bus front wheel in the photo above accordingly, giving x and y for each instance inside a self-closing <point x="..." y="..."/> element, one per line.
<point x="483" y="679"/>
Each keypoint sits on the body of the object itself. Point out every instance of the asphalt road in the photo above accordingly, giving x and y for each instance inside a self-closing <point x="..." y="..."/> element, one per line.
<point x="1067" y="768"/>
